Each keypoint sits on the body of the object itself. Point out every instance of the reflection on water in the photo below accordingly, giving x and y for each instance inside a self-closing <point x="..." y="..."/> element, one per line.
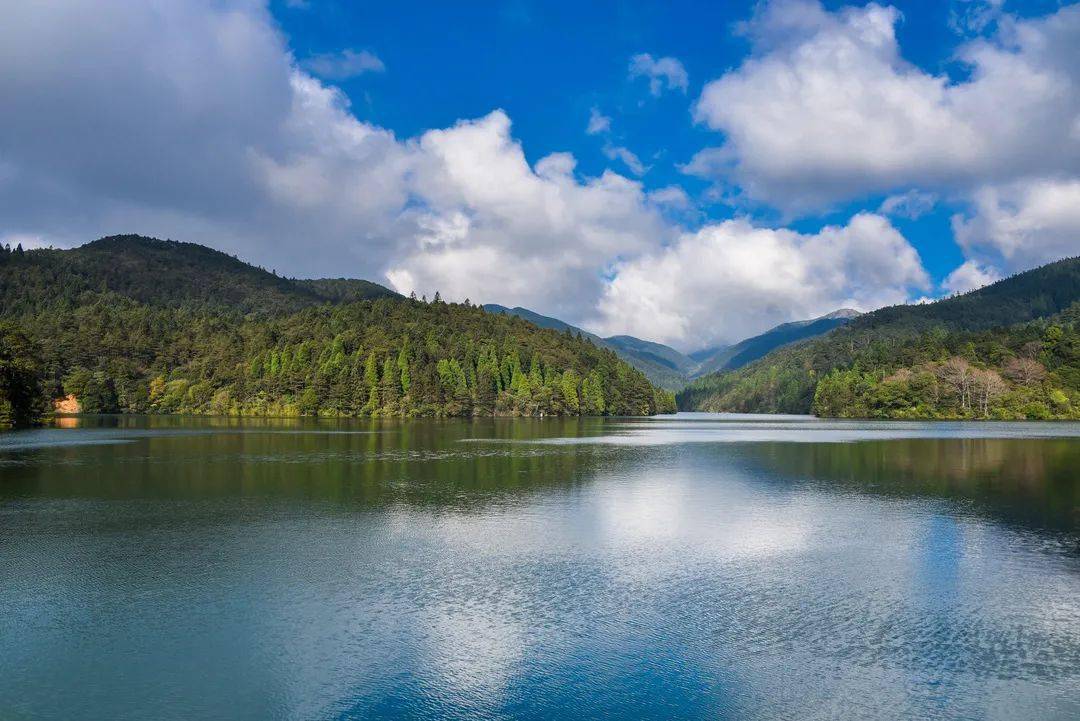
<point x="1036" y="481"/>
<point x="690" y="567"/>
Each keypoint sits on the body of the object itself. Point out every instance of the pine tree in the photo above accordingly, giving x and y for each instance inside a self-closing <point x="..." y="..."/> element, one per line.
<point x="403" y="366"/>
<point x="390" y="385"/>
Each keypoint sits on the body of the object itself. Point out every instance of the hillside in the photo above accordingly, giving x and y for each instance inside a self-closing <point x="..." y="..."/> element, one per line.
<point x="1012" y="343"/>
<point x="749" y="350"/>
<point x="664" y="366"/>
<point x="164" y="273"/>
<point x="131" y="324"/>
<point x="668" y="368"/>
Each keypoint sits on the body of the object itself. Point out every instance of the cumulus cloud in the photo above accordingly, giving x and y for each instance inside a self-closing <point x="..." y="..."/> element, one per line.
<point x="1022" y="224"/>
<point x="969" y="276"/>
<point x="662" y="73"/>
<point x="598" y="122"/>
<point x="537" y="236"/>
<point x="826" y="108"/>
<point x="733" y="279"/>
<point x="344" y="65"/>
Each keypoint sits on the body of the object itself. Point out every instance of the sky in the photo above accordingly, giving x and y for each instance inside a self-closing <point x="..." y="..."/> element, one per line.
<point x="690" y="173"/>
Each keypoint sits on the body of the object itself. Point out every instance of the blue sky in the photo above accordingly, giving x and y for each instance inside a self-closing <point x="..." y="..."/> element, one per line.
<point x="549" y="63"/>
<point x="749" y="163"/>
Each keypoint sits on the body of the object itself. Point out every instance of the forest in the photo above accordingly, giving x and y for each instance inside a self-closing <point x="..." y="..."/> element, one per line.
<point x="184" y="329"/>
<point x="1007" y="351"/>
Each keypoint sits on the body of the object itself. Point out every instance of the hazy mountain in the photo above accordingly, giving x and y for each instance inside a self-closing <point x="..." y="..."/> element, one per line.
<point x="672" y="370"/>
<point x="662" y="365"/>
<point x="749" y="350"/>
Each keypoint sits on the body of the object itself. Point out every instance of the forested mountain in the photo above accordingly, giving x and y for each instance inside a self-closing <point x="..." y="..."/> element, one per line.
<point x="162" y="273"/>
<point x="1009" y="350"/>
<point x="670" y="367"/>
<point x="749" y="350"/>
<point x="132" y="324"/>
<point x="672" y="370"/>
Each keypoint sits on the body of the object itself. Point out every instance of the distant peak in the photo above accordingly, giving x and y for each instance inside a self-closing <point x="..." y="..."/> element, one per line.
<point x="842" y="313"/>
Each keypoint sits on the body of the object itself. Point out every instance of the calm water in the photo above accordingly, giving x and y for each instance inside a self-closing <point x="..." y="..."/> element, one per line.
<point x="688" y="567"/>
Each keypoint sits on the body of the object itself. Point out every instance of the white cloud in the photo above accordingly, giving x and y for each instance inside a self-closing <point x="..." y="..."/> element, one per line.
<point x="222" y="139"/>
<point x="598" y="122"/>
<point x="730" y="280"/>
<point x="1023" y="224"/>
<point x="670" y="196"/>
<point x="627" y="156"/>
<point x="28" y="241"/>
<point x="975" y="16"/>
<point x="969" y="276"/>
<point x="826" y="109"/>
<point x="344" y="65"/>
<point x="537" y="237"/>
<point x="912" y="204"/>
<point x="662" y="72"/>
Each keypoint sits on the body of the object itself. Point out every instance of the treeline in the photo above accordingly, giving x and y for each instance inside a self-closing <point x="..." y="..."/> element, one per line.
<point x="978" y="355"/>
<point x="381" y="358"/>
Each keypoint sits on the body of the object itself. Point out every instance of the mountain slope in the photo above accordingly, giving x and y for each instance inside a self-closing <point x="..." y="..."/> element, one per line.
<point x="132" y="324"/>
<point x="648" y="351"/>
<point x="749" y="350"/>
<point x="664" y="366"/>
<point x="672" y="370"/>
<point x="988" y="328"/>
<point x="165" y="273"/>
<point x="542" y="321"/>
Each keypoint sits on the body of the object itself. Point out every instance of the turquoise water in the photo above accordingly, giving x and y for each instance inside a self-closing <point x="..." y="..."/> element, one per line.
<point x="695" y="566"/>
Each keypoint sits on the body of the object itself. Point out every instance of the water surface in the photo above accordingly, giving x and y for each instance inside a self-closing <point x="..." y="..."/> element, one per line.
<point x="695" y="566"/>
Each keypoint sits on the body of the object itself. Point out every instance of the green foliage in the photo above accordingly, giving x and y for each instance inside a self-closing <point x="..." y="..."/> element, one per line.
<point x="21" y="399"/>
<point x="122" y="344"/>
<point x="1009" y="350"/>
<point x="161" y="273"/>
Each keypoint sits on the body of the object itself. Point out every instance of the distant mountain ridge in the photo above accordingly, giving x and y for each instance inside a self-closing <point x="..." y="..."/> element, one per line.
<point x="672" y="370"/>
<point x="749" y="350"/>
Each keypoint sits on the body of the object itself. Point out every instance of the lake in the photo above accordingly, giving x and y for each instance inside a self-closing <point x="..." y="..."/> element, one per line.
<point x="693" y="566"/>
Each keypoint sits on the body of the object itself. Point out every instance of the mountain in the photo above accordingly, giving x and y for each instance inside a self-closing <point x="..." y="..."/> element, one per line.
<point x="655" y="353"/>
<point x="664" y="366"/>
<point x="344" y="290"/>
<point x="164" y="273"/>
<point x="134" y="324"/>
<point x="668" y="368"/>
<point x="749" y="350"/>
<point x="1013" y="344"/>
<point x="542" y="321"/>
